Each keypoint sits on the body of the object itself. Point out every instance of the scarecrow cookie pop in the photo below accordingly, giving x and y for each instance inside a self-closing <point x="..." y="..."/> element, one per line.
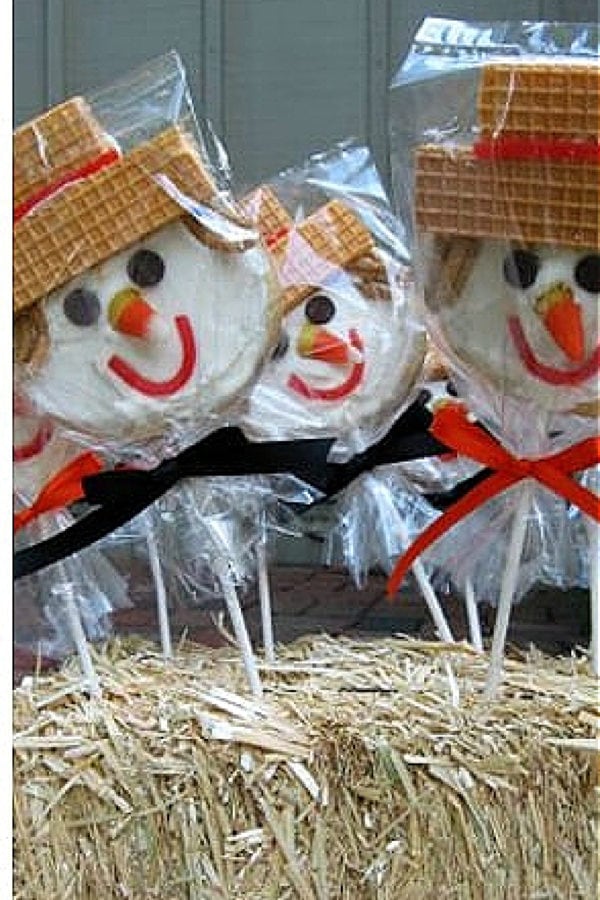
<point x="142" y="300"/>
<point x="508" y="227"/>
<point x="350" y="352"/>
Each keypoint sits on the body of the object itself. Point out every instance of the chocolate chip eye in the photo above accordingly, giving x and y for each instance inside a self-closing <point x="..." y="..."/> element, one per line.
<point x="82" y="307"/>
<point x="521" y="268"/>
<point x="319" y="309"/>
<point x="282" y="346"/>
<point x="146" y="268"/>
<point x="587" y="273"/>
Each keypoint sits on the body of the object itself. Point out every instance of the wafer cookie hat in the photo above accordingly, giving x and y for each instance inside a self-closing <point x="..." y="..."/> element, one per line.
<point x="532" y="173"/>
<point x="332" y="240"/>
<point x="143" y="300"/>
<point x="511" y="223"/>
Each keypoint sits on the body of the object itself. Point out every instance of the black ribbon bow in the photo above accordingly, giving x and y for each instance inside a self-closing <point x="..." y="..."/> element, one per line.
<point x="122" y="494"/>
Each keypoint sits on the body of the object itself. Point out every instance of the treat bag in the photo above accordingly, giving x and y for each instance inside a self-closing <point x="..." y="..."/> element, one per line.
<point x="143" y="299"/>
<point x="502" y="152"/>
<point x="555" y="554"/>
<point x="68" y="604"/>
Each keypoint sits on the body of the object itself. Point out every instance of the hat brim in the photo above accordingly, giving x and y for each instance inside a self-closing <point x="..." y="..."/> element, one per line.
<point x="528" y="201"/>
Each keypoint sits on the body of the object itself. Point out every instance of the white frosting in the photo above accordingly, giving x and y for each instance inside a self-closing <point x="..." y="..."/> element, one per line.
<point x="225" y="297"/>
<point x="476" y="330"/>
<point x="392" y="354"/>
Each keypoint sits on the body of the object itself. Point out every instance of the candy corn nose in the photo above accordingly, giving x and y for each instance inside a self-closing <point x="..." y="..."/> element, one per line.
<point x="130" y="314"/>
<point x="561" y="315"/>
<point x="315" y="342"/>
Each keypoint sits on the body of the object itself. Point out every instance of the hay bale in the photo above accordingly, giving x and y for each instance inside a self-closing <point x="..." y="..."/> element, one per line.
<point x="373" y="769"/>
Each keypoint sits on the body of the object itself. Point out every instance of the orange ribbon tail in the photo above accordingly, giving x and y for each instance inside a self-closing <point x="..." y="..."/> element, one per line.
<point x="64" y="488"/>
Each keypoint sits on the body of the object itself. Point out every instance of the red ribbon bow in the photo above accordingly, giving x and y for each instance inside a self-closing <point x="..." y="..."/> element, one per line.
<point x="64" y="488"/>
<point x="452" y="427"/>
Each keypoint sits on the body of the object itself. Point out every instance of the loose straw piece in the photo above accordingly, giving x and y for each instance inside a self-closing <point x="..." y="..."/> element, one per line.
<point x="473" y="616"/>
<point x="264" y="593"/>
<point x="161" y="595"/>
<point x="507" y="591"/>
<point x="239" y="626"/>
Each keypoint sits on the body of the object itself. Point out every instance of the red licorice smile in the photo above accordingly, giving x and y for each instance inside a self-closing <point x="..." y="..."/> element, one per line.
<point x="558" y="377"/>
<point x="300" y="386"/>
<point x="147" y="386"/>
<point x="35" y="445"/>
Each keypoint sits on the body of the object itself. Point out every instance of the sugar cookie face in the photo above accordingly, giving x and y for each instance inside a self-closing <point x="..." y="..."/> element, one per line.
<point x="528" y="318"/>
<point x="343" y="362"/>
<point x="167" y="329"/>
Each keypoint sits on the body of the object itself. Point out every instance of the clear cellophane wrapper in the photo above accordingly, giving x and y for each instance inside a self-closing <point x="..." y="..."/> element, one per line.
<point x="376" y="518"/>
<point x="350" y="350"/>
<point x="143" y="298"/>
<point x="205" y="522"/>
<point x="41" y="618"/>
<point x="382" y="512"/>
<point x="584" y="536"/>
<point x="87" y="580"/>
<point x="495" y="129"/>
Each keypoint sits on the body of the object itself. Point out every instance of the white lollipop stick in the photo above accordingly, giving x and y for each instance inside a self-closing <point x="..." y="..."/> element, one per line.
<point x="239" y="626"/>
<point x="507" y="591"/>
<point x="161" y="595"/>
<point x="473" y="616"/>
<point x="264" y="593"/>
<point x="593" y="530"/>
<point x="81" y="645"/>
<point x="429" y="595"/>
<point x="417" y="568"/>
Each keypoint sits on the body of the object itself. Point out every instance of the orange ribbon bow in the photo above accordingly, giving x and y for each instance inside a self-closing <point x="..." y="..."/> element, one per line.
<point x="452" y="427"/>
<point x="64" y="488"/>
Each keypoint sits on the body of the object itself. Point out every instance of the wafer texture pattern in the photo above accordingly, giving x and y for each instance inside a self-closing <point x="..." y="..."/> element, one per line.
<point x="328" y="240"/>
<point x="44" y="150"/>
<point x="266" y="212"/>
<point x="559" y="100"/>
